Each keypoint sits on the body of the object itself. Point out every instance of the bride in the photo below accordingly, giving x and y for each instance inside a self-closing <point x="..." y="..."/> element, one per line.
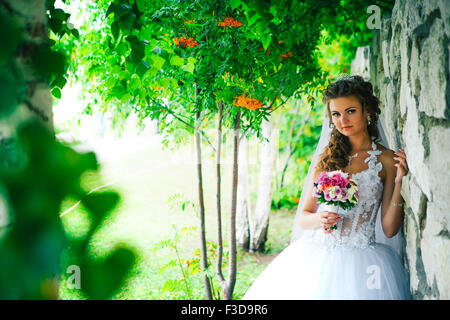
<point x="361" y="259"/>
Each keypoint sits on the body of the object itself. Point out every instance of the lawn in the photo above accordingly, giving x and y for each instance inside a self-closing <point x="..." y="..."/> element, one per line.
<point x="146" y="176"/>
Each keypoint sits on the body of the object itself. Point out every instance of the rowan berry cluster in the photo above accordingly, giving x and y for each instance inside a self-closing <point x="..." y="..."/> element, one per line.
<point x="249" y="103"/>
<point x="229" y="22"/>
<point x="185" y="42"/>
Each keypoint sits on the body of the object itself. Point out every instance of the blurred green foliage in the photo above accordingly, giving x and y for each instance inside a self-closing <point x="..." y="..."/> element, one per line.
<point x="36" y="174"/>
<point x="32" y="243"/>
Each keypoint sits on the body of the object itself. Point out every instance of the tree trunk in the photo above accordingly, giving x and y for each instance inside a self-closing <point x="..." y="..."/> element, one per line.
<point x="243" y="198"/>
<point x="231" y="281"/>
<point x="259" y="222"/>
<point x="218" y="198"/>
<point x="31" y="17"/>
<point x="203" y="251"/>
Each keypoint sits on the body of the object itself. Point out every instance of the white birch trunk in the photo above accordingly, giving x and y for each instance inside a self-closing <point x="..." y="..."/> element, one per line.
<point x="243" y="197"/>
<point x="31" y="16"/>
<point x="33" y="19"/>
<point x="259" y="222"/>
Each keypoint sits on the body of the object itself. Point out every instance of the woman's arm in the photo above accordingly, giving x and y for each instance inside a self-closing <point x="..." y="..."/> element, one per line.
<point x="308" y="219"/>
<point x="392" y="216"/>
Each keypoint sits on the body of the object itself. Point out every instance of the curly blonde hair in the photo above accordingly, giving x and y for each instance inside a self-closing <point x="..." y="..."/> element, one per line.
<point x="336" y="153"/>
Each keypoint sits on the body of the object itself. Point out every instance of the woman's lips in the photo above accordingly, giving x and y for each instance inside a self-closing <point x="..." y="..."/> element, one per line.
<point x="346" y="127"/>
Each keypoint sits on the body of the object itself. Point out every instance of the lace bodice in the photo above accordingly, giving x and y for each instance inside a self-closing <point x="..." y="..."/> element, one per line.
<point x="357" y="228"/>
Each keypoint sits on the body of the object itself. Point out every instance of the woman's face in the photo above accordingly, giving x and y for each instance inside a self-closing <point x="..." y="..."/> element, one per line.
<point x="346" y="115"/>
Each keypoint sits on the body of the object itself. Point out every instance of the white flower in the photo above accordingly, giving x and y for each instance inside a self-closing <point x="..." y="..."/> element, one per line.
<point x="352" y="190"/>
<point x="331" y="191"/>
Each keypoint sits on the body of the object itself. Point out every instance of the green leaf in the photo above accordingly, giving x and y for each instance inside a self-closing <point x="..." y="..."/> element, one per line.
<point x="189" y="67"/>
<point x="127" y="20"/>
<point x="111" y="9"/>
<point x="118" y="91"/>
<point x="192" y="60"/>
<point x="235" y="3"/>
<point x="266" y="39"/>
<point x="165" y="83"/>
<point x="134" y="82"/>
<point x="252" y="19"/>
<point x="55" y="25"/>
<point x="158" y="62"/>
<point x="56" y="93"/>
<point x="142" y="5"/>
<point x="47" y="62"/>
<point x="110" y="82"/>
<point x="142" y="67"/>
<point x="125" y="97"/>
<point x="59" y="81"/>
<point x="137" y="54"/>
<point x="100" y="203"/>
<point x="121" y="48"/>
<point x="75" y="33"/>
<point x="115" y="29"/>
<point x="58" y="14"/>
<point x="176" y="61"/>
<point x="174" y="83"/>
<point x="100" y="280"/>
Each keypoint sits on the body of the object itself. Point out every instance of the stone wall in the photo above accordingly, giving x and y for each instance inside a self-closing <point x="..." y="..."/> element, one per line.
<point x="409" y="68"/>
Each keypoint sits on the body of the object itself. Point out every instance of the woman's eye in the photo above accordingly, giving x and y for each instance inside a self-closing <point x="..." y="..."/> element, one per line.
<point x="351" y="111"/>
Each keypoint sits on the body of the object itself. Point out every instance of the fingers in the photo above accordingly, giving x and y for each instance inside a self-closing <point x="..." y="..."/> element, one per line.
<point x="330" y="220"/>
<point x="327" y="229"/>
<point x="328" y="223"/>
<point x="331" y="214"/>
<point x="401" y="158"/>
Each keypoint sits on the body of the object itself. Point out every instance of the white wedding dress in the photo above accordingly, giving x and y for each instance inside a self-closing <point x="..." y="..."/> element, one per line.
<point x="344" y="264"/>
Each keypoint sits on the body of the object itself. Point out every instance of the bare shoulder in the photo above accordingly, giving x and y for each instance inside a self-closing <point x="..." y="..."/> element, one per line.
<point x="387" y="156"/>
<point x="387" y="160"/>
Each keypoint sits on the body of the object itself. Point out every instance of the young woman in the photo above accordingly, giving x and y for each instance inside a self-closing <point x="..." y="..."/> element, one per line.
<point x="346" y="262"/>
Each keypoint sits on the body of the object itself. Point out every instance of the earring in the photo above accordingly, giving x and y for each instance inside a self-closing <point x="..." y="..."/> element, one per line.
<point x="368" y="120"/>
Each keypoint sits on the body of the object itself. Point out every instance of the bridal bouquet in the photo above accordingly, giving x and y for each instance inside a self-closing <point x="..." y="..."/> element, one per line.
<point x="337" y="190"/>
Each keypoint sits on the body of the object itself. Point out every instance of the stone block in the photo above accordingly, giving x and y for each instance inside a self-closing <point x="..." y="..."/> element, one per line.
<point x="435" y="244"/>
<point x="411" y="238"/>
<point x="439" y="165"/>
<point x="432" y="74"/>
<point x="413" y="134"/>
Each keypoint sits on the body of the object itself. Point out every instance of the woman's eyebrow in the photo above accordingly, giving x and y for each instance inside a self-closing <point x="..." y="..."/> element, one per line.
<point x="344" y="110"/>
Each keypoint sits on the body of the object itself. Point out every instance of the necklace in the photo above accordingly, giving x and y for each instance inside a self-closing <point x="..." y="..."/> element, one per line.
<point x="350" y="158"/>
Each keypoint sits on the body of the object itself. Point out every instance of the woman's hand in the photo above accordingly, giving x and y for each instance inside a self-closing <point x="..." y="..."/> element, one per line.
<point x="328" y="219"/>
<point x="402" y="166"/>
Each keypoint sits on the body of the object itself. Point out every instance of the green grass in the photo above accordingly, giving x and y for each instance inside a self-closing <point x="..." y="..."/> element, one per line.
<point x="145" y="180"/>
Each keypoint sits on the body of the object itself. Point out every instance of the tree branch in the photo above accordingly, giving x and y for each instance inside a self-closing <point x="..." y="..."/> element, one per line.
<point x="181" y="120"/>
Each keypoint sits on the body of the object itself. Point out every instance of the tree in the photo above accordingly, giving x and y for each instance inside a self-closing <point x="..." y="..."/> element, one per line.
<point x="37" y="172"/>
